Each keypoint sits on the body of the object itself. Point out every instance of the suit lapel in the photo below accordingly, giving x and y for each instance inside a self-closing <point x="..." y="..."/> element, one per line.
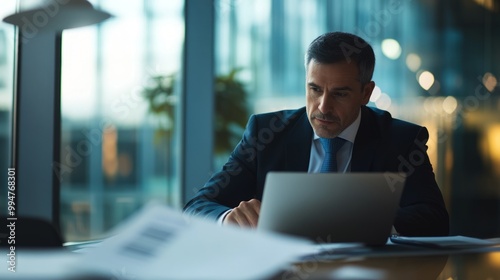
<point x="366" y="143"/>
<point x="298" y="146"/>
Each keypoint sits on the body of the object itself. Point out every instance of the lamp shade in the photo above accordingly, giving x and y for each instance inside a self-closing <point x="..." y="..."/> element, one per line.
<point x="57" y="15"/>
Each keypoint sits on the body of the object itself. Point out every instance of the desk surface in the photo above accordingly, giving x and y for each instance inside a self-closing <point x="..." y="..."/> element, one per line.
<point x="479" y="263"/>
<point x="387" y="262"/>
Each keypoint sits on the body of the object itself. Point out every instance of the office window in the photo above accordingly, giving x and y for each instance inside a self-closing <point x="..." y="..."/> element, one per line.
<point x="436" y="66"/>
<point x="7" y="56"/>
<point x="119" y="148"/>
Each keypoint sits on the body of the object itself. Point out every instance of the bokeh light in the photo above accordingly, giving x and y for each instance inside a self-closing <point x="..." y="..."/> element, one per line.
<point x="450" y="104"/>
<point x="413" y="62"/>
<point x="391" y="48"/>
<point x="375" y="94"/>
<point x="489" y="81"/>
<point x="383" y="102"/>
<point x="425" y="79"/>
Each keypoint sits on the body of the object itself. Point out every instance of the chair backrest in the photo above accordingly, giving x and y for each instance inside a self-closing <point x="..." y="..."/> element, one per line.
<point x="29" y="232"/>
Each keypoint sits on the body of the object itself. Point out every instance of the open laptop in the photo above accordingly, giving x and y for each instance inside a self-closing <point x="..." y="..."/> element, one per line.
<point x="332" y="207"/>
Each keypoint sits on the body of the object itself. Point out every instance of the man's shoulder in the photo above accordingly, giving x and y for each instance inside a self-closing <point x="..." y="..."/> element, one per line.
<point x="384" y="118"/>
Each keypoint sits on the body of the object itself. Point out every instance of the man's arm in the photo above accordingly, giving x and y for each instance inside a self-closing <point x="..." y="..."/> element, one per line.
<point x="236" y="182"/>
<point x="422" y="211"/>
<point x="271" y="141"/>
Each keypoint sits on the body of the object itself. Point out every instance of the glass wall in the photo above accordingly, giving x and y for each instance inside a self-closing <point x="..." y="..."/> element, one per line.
<point x="118" y="98"/>
<point x="437" y="65"/>
<point x="7" y="68"/>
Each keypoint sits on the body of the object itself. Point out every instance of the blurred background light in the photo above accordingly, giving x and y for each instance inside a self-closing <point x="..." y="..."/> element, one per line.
<point x="489" y="81"/>
<point x="488" y="4"/>
<point x="391" y="48"/>
<point x="437" y="105"/>
<point x="413" y="62"/>
<point x="428" y="105"/>
<point x="383" y="102"/>
<point x="450" y="104"/>
<point x="375" y="94"/>
<point x="492" y="148"/>
<point x="425" y="79"/>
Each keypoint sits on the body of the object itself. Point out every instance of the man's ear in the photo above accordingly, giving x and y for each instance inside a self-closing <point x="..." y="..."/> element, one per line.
<point x="367" y="92"/>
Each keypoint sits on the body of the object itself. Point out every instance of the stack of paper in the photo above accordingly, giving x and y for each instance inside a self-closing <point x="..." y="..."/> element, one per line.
<point x="161" y="243"/>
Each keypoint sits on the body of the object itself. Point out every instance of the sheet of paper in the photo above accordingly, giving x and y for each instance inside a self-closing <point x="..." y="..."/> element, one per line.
<point x="161" y="243"/>
<point x="457" y="241"/>
<point x="41" y="264"/>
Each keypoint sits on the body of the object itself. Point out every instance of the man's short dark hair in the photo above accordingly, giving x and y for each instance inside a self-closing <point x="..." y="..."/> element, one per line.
<point x="335" y="47"/>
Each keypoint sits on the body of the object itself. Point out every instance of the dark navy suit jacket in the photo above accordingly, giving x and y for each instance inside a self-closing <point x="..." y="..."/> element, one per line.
<point x="281" y="141"/>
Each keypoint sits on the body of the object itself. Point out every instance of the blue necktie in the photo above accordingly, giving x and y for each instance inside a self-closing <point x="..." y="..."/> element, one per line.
<point x="331" y="147"/>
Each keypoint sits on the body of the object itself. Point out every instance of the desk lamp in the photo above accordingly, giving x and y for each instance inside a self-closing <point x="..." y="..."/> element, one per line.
<point x="57" y="15"/>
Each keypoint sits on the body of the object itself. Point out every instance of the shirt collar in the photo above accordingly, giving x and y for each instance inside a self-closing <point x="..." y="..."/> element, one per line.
<point x="350" y="132"/>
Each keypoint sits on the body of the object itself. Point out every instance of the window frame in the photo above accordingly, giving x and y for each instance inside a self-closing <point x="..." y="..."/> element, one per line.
<point x="37" y="114"/>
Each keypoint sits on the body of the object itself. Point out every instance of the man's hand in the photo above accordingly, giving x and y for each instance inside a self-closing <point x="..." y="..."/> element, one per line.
<point x="246" y="214"/>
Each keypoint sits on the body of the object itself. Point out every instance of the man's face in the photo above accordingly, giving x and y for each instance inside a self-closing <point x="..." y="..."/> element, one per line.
<point x="334" y="95"/>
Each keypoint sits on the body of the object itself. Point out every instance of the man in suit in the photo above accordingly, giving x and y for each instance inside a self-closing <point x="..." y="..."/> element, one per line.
<point x="339" y="68"/>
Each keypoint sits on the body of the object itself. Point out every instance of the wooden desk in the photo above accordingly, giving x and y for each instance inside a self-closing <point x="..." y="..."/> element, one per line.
<point x="478" y="263"/>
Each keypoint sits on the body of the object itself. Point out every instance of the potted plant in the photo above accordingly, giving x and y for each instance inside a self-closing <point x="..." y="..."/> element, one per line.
<point x="231" y="111"/>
